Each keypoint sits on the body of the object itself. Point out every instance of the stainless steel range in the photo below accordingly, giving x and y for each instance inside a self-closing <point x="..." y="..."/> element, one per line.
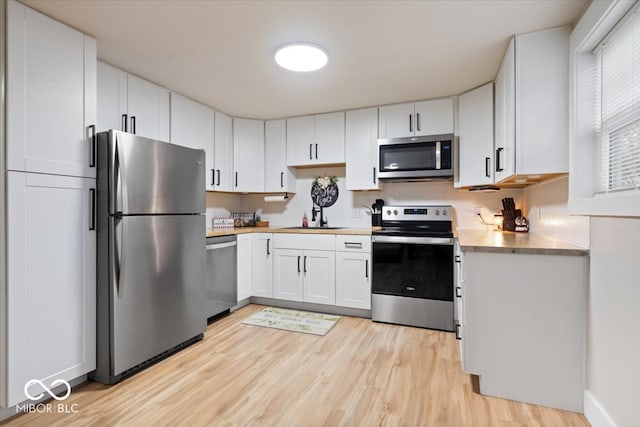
<point x="413" y="267"/>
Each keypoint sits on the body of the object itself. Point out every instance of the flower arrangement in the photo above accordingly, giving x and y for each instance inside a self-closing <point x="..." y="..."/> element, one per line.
<point x="324" y="181"/>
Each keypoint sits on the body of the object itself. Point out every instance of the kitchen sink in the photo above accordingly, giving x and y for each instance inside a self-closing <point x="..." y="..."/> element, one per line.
<point x="314" y="228"/>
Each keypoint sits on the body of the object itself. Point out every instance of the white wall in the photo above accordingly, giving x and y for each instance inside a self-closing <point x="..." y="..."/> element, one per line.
<point x="290" y="213"/>
<point x="613" y="355"/>
<point x="220" y="205"/>
<point x="545" y="205"/>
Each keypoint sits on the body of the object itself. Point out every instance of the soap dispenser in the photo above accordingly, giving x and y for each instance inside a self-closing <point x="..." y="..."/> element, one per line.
<point x="305" y="221"/>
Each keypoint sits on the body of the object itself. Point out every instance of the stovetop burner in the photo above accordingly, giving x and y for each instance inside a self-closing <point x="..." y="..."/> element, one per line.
<point x="418" y="221"/>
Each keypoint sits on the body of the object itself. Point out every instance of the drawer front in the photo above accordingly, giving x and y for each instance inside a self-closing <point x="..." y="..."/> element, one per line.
<point x="318" y="242"/>
<point x="353" y="243"/>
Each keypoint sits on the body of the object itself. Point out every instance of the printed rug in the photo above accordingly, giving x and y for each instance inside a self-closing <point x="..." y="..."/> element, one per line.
<point x="293" y="320"/>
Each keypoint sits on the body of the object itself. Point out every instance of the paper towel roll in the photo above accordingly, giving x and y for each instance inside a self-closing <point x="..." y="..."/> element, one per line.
<point x="272" y="199"/>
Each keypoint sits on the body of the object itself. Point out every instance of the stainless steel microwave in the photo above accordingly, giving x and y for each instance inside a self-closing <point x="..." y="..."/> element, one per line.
<point x="419" y="157"/>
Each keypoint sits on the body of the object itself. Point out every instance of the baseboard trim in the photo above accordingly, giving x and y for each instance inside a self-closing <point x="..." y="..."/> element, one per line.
<point x="595" y="412"/>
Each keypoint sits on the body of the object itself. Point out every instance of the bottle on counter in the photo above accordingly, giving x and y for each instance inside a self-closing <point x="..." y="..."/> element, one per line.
<point x="305" y="221"/>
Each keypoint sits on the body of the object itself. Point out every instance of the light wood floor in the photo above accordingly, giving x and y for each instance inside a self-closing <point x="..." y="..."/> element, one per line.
<point x="360" y="374"/>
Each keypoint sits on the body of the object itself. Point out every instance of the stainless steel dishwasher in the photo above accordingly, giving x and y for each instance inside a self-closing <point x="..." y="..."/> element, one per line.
<point x="221" y="280"/>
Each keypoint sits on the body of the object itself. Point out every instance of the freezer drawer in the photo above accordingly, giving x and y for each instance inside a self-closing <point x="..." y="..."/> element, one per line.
<point x="157" y="285"/>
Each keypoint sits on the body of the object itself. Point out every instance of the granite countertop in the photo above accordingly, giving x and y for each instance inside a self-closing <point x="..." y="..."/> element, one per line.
<point x="511" y="242"/>
<point x="241" y="230"/>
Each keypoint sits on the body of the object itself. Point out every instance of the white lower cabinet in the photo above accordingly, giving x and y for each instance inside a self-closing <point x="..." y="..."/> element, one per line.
<point x="353" y="271"/>
<point x="287" y="275"/>
<point x="262" y="264"/>
<point x="524" y="326"/>
<point x="244" y="262"/>
<point x="304" y="268"/>
<point x="51" y="281"/>
<point x="319" y="284"/>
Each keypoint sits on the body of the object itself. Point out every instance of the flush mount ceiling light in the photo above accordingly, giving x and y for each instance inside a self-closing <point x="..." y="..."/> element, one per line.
<point x="301" y="57"/>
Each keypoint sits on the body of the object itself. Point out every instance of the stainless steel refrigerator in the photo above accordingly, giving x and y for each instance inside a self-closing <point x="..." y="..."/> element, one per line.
<point x="151" y="252"/>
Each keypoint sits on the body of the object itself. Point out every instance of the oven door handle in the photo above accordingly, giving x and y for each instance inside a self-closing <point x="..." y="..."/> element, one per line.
<point x="414" y="240"/>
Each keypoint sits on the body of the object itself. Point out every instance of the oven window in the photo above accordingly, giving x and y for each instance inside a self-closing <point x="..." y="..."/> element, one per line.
<point x="408" y="157"/>
<point x="411" y="270"/>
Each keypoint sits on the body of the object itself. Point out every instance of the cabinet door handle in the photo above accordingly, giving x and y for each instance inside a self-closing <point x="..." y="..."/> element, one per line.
<point x="268" y="241"/>
<point x="92" y="149"/>
<point x="498" y="166"/>
<point x="133" y="125"/>
<point x="236" y="179"/>
<point x="213" y="177"/>
<point x="366" y="268"/>
<point x="458" y="336"/>
<point x="353" y="245"/>
<point x="305" y="263"/>
<point x="418" y="122"/>
<point x="374" y="174"/>
<point x="310" y="151"/>
<point x="298" y="263"/>
<point x="458" y="292"/>
<point x="316" y="151"/>
<point x="281" y="179"/>
<point x="487" y="160"/>
<point x="92" y="218"/>
<point x="218" y="172"/>
<point x="410" y="122"/>
<point x="124" y="123"/>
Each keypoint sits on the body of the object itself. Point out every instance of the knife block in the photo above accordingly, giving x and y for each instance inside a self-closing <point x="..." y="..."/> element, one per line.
<point x="509" y="219"/>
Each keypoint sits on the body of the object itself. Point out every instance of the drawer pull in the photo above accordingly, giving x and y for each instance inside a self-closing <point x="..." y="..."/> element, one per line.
<point x="353" y="245"/>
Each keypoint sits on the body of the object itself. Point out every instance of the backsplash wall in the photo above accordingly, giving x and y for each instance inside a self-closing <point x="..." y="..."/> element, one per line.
<point x="341" y="214"/>
<point x="546" y="207"/>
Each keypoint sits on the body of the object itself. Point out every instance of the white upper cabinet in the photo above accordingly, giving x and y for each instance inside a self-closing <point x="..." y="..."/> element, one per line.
<point x="223" y="152"/>
<point x="51" y="281"/>
<point x="51" y="95"/>
<point x="315" y="140"/>
<point x="248" y="155"/>
<point x="433" y="117"/>
<point x="112" y="98"/>
<point x="532" y="106"/>
<point x="361" y="149"/>
<point x="278" y="176"/>
<point x="505" y="118"/>
<point x="475" y="131"/>
<point x="131" y="104"/>
<point x="148" y="109"/>
<point x="192" y="125"/>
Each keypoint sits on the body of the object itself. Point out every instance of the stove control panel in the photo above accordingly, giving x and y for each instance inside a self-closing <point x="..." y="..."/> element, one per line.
<point x="417" y="213"/>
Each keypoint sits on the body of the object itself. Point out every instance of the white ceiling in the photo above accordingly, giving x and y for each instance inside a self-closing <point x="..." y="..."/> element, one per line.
<point x="380" y="52"/>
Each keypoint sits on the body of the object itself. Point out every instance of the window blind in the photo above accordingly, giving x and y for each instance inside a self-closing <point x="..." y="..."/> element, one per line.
<point x="618" y="92"/>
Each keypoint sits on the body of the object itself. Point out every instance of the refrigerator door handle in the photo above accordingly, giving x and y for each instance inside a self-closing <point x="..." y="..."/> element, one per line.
<point x="119" y="257"/>
<point x="120" y="181"/>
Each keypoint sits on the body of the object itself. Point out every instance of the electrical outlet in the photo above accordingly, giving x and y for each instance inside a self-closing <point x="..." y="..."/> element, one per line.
<point x="357" y="213"/>
<point x="477" y="210"/>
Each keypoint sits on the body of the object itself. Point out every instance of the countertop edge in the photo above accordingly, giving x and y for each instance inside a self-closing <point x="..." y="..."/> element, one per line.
<point x="516" y="243"/>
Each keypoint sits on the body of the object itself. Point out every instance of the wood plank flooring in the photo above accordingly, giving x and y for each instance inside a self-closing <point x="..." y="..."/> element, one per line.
<point x="360" y="374"/>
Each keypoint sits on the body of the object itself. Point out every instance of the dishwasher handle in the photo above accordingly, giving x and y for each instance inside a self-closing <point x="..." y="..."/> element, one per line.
<point x="221" y="245"/>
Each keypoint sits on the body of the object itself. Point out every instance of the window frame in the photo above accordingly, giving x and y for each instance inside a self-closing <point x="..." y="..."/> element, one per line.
<point x="584" y="183"/>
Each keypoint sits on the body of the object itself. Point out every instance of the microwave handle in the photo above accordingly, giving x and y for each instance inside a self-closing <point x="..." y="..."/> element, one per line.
<point x="438" y="153"/>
